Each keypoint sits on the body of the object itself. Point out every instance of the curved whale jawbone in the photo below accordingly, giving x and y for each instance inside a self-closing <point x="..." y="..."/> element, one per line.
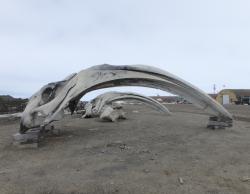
<point x="68" y="92"/>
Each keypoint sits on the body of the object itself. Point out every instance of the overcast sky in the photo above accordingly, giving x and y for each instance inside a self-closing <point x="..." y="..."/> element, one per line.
<point x="205" y="42"/>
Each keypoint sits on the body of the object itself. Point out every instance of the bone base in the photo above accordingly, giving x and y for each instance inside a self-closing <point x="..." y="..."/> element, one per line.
<point x="33" y="137"/>
<point x="30" y="139"/>
<point x="219" y="123"/>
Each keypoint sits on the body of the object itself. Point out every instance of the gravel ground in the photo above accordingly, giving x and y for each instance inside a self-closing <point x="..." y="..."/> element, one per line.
<point x="147" y="153"/>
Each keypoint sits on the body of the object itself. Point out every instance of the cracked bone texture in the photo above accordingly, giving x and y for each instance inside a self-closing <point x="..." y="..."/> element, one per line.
<point x="95" y="107"/>
<point x="53" y="98"/>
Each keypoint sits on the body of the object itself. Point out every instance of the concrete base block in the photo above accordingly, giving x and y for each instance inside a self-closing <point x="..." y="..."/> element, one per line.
<point x="33" y="137"/>
<point x="219" y="123"/>
<point x="30" y="139"/>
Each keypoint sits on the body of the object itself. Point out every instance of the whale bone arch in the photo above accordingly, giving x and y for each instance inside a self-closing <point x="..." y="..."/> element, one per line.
<point x="53" y="98"/>
<point x="95" y="107"/>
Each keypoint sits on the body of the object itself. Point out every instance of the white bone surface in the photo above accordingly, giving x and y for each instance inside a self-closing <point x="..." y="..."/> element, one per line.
<point x="109" y="114"/>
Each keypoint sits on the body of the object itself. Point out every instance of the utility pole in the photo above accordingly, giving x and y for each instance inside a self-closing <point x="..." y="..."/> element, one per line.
<point x="214" y="88"/>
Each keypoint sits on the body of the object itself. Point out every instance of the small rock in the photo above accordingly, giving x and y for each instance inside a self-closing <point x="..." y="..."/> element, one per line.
<point x="166" y="172"/>
<point x="112" y="182"/>
<point x="144" y="151"/>
<point x="245" y="179"/>
<point x="2" y="172"/>
<point x="123" y="147"/>
<point x="93" y="129"/>
<point x="146" y="170"/>
<point x="116" y="144"/>
<point x="181" y="181"/>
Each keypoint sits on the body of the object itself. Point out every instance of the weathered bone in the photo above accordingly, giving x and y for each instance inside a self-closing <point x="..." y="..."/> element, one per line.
<point x="110" y="114"/>
<point x="95" y="106"/>
<point x="53" y="98"/>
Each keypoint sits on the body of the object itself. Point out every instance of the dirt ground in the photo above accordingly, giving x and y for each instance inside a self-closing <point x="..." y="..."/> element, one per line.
<point x="149" y="153"/>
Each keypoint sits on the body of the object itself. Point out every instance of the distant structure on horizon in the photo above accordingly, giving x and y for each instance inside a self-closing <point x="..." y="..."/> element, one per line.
<point x="234" y="96"/>
<point x="225" y="96"/>
<point x="9" y="104"/>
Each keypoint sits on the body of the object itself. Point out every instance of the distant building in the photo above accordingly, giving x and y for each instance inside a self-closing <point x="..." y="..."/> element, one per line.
<point x="234" y="96"/>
